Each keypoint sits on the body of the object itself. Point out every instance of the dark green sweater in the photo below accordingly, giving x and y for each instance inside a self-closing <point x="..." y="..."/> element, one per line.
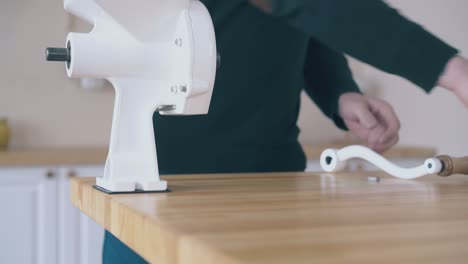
<point x="267" y="59"/>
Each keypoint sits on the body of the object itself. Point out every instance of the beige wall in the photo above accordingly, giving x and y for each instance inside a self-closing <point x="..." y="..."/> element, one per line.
<point x="438" y="120"/>
<point x="45" y="108"/>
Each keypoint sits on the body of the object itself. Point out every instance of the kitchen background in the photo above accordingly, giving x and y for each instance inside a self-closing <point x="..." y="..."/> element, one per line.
<point x="45" y="109"/>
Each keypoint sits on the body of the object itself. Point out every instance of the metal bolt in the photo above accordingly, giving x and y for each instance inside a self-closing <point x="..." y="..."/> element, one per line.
<point x="163" y="108"/>
<point x="373" y="179"/>
<point x="57" y="54"/>
<point x="179" y="42"/>
<point x="183" y="88"/>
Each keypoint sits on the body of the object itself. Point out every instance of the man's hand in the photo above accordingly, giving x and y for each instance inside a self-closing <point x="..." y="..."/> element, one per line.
<point x="371" y="119"/>
<point x="455" y="78"/>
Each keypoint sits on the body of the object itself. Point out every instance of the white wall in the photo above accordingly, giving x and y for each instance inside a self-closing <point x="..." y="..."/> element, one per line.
<point x="46" y="109"/>
<point x="437" y="120"/>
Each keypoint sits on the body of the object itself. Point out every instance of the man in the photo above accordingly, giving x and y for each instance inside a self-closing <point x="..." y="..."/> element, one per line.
<point x="271" y="50"/>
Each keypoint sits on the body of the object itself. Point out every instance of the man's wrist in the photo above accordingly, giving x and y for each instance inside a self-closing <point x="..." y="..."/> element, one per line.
<point x="344" y="96"/>
<point x="455" y="73"/>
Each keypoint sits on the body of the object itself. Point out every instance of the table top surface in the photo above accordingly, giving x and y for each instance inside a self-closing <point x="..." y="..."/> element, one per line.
<point x="289" y="218"/>
<point x="98" y="155"/>
<point x="54" y="156"/>
<point x="314" y="151"/>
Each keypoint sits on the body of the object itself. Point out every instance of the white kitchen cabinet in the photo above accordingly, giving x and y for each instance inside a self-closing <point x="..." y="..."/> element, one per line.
<point x="39" y="224"/>
<point x="80" y="238"/>
<point x="29" y="215"/>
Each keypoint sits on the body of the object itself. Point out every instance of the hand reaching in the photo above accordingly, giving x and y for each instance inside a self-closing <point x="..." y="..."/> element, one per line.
<point x="371" y="119"/>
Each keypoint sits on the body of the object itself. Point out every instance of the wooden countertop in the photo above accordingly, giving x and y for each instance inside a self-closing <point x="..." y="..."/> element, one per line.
<point x="98" y="155"/>
<point x="289" y="218"/>
<point x="45" y="157"/>
<point x="313" y="151"/>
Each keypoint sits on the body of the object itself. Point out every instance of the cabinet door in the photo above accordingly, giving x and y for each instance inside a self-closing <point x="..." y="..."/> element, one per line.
<point x="80" y="238"/>
<point x="28" y="218"/>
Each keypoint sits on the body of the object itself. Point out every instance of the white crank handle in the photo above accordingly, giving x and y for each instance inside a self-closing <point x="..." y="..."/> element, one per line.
<point x="333" y="160"/>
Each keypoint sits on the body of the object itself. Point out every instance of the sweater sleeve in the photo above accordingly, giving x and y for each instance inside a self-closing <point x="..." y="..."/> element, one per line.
<point x="373" y="32"/>
<point x="327" y="76"/>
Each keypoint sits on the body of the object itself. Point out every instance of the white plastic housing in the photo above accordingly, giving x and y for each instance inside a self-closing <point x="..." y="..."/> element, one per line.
<point x="155" y="53"/>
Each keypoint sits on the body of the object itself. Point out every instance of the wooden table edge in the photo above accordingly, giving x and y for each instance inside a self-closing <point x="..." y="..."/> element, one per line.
<point x="166" y="247"/>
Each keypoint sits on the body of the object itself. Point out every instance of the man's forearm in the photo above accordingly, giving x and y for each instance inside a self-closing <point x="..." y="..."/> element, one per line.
<point x="370" y="31"/>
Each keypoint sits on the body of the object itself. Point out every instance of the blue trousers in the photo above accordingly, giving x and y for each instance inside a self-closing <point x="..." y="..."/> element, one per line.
<point x="116" y="252"/>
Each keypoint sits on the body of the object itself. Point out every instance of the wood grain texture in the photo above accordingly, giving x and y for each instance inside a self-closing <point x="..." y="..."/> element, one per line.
<point x="98" y="155"/>
<point x="399" y="152"/>
<point x="451" y="165"/>
<point x="289" y="218"/>
<point x="44" y="157"/>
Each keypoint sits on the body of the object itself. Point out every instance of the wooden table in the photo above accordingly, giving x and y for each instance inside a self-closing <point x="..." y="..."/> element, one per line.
<point x="62" y="156"/>
<point x="98" y="154"/>
<point x="289" y="218"/>
<point x="313" y="152"/>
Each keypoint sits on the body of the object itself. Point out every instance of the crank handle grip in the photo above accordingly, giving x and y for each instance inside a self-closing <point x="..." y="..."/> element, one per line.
<point x="451" y="166"/>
